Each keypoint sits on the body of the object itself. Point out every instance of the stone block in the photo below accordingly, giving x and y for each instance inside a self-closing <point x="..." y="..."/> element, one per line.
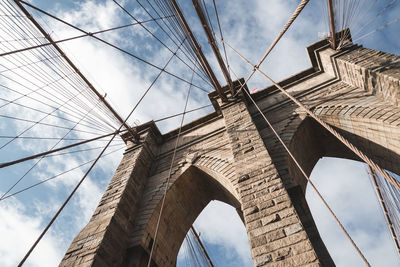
<point x="263" y="260"/>
<point x="292" y="229"/>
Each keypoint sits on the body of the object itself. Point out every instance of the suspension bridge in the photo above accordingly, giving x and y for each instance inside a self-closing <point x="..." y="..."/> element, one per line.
<point x="248" y="151"/>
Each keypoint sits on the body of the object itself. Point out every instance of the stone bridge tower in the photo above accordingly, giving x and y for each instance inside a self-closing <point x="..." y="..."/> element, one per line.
<point x="232" y="156"/>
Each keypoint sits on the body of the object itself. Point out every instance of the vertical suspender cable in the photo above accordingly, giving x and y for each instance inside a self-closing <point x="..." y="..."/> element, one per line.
<point x="341" y="138"/>
<point x="385" y="211"/>
<point x="39" y="27"/>
<point x="169" y="177"/>
<point x="202" y="246"/>
<point x="94" y="163"/>
<point x="292" y="18"/>
<point x="308" y="179"/>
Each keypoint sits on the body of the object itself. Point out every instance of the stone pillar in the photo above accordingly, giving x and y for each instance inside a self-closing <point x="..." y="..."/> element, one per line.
<point x="103" y="241"/>
<point x="275" y="230"/>
<point x="375" y="71"/>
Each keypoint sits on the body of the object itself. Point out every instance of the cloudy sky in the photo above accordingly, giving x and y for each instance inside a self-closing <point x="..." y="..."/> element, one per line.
<point x="250" y="28"/>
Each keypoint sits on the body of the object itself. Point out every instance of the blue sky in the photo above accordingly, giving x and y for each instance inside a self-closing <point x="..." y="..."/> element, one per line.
<point x="250" y="28"/>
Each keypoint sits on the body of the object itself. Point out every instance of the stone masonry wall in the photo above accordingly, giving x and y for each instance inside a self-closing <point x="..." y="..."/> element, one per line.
<point x="207" y="150"/>
<point x="237" y="157"/>
<point x="103" y="241"/>
<point x="375" y="71"/>
<point x="276" y="233"/>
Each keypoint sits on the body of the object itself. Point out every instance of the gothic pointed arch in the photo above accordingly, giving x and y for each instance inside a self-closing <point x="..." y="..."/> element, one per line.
<point x="193" y="185"/>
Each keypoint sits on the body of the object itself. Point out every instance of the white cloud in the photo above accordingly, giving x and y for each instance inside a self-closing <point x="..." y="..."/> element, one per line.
<point x="346" y="187"/>
<point x="18" y="231"/>
<point x="219" y="224"/>
<point x="250" y="28"/>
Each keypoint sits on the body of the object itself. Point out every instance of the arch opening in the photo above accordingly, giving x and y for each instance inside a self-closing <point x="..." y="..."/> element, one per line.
<point x="189" y="194"/>
<point x="343" y="180"/>
<point x="348" y="189"/>
<point x="223" y="235"/>
<point x="311" y="142"/>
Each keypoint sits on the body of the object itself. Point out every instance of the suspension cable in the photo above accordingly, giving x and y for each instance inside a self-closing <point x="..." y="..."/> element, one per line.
<point x="196" y="235"/>
<point x="292" y="18"/>
<point x="45" y="124"/>
<point x="169" y="177"/>
<point x="155" y="37"/>
<point x="222" y="36"/>
<point x="39" y="30"/>
<point x="67" y="200"/>
<point x="306" y="176"/>
<point x="36" y="122"/>
<point x="41" y="156"/>
<point x="384" y="208"/>
<point x="64" y="172"/>
<point x="378" y="29"/>
<point x="176" y="34"/>
<point x="92" y="126"/>
<point x="111" y="45"/>
<point x="341" y="138"/>
<point x="94" y="162"/>
<point x="178" y="114"/>
<point x="77" y="37"/>
<point x="10" y="163"/>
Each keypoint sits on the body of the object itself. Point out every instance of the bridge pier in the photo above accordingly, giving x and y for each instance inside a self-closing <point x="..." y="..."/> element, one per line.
<point x="232" y="155"/>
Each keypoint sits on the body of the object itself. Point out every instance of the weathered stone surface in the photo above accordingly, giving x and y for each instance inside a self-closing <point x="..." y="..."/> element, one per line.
<point x="233" y="156"/>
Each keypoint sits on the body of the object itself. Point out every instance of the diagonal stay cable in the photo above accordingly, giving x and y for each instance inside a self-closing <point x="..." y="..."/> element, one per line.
<point x="54" y="96"/>
<point x="32" y="91"/>
<point x="306" y="176"/>
<point x="112" y="45"/>
<point x="25" y="29"/>
<point x="67" y="200"/>
<point x="70" y="111"/>
<point x="204" y="6"/>
<point x="388" y="6"/>
<point x="76" y="37"/>
<point x="385" y="205"/>
<point x="44" y="138"/>
<point x="21" y="39"/>
<point x="222" y="36"/>
<point x="178" y="29"/>
<point x="45" y="124"/>
<point x="341" y="138"/>
<point x="47" y="115"/>
<point x="80" y="150"/>
<point x="35" y="75"/>
<point x="203" y="249"/>
<point x="197" y="48"/>
<point x="172" y="39"/>
<point x="61" y="52"/>
<point x="177" y="26"/>
<point x="44" y="55"/>
<point x="178" y="114"/>
<point x="33" y="32"/>
<point x="169" y="177"/>
<point x="346" y="36"/>
<point x="174" y="33"/>
<point x="60" y="174"/>
<point x="91" y="167"/>
<point x="155" y="37"/>
<point x="292" y="18"/>
<point x="66" y="67"/>
<point x="10" y="163"/>
<point x="31" y="63"/>
<point x="23" y="32"/>
<point x="41" y="156"/>
<point x="43" y="112"/>
<point x="378" y="29"/>
<point x="158" y="75"/>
